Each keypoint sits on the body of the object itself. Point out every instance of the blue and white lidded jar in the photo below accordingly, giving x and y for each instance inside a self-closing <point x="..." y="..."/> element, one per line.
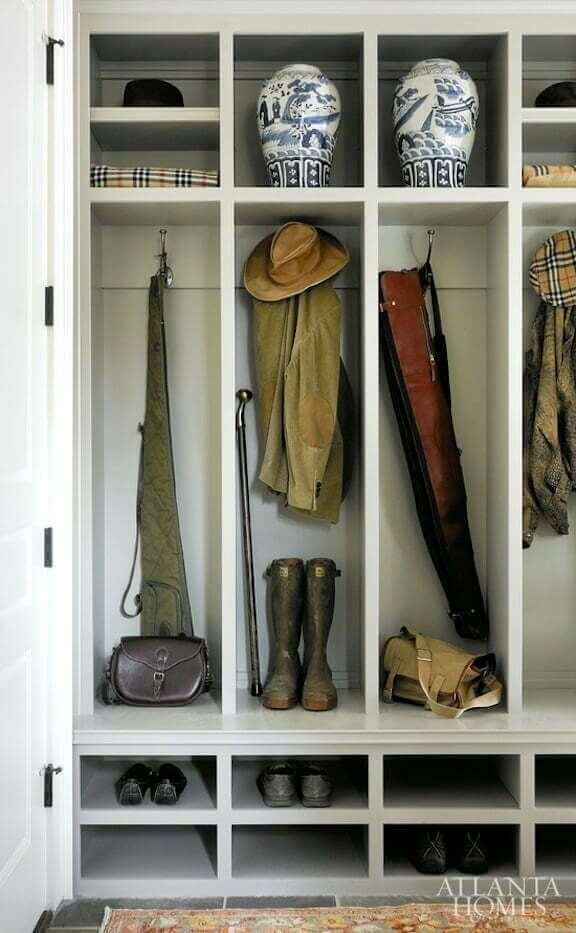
<point x="298" y="118"/>
<point x="435" y="117"/>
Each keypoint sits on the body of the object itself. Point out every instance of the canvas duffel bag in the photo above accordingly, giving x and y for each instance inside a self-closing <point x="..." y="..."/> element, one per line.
<point x="438" y="675"/>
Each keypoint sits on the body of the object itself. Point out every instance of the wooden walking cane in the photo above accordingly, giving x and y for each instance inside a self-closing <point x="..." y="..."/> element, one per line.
<point x="244" y="396"/>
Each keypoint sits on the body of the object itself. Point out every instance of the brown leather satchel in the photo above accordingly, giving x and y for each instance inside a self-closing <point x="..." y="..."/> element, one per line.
<point x="417" y="368"/>
<point x="157" y="671"/>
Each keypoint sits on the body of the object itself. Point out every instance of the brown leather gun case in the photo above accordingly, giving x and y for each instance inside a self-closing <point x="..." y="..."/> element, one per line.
<point x="416" y="364"/>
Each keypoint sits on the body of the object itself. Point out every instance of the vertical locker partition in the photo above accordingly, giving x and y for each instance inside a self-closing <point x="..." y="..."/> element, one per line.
<point x="507" y="770"/>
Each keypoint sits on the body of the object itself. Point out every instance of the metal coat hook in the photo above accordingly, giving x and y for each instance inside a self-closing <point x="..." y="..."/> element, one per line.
<point x="165" y="272"/>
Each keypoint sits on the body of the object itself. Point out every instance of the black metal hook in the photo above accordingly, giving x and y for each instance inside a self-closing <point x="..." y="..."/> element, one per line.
<point x="431" y="233"/>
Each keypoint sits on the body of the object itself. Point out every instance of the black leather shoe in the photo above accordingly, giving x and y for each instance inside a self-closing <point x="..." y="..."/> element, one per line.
<point x="167" y="784"/>
<point x="132" y="786"/>
<point x="428" y="851"/>
<point x="471" y="853"/>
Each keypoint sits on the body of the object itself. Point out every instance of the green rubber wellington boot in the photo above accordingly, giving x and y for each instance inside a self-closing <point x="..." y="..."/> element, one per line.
<point x="286" y="603"/>
<point x="319" y="692"/>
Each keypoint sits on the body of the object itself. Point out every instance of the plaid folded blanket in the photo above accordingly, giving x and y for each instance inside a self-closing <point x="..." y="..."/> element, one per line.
<point x="549" y="176"/>
<point x="109" y="176"/>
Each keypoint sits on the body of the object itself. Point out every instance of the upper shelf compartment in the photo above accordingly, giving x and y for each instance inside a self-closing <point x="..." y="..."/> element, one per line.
<point x="257" y="59"/>
<point x="485" y="58"/>
<point x="546" y="60"/>
<point x="178" y="128"/>
<point x="190" y="62"/>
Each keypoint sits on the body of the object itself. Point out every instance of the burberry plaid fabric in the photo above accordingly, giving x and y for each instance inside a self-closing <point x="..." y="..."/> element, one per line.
<point x="109" y="176"/>
<point x="549" y="176"/>
<point x="553" y="270"/>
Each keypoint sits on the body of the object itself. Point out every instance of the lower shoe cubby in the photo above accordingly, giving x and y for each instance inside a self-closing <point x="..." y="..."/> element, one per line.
<point x="556" y="850"/>
<point x="348" y="774"/>
<point x="302" y="852"/>
<point x="484" y="781"/>
<point x="500" y="841"/>
<point x="99" y="774"/>
<point x="555" y="780"/>
<point x="151" y="854"/>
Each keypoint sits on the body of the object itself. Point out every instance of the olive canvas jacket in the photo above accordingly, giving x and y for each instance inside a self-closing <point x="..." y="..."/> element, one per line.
<point x="297" y="354"/>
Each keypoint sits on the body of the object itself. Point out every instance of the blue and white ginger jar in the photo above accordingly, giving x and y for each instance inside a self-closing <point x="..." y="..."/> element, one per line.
<point x="298" y="117"/>
<point x="435" y="117"/>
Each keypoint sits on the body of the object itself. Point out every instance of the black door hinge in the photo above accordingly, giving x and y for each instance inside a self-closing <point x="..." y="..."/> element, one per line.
<point x="49" y="306"/>
<point x="49" y="772"/>
<point x="50" y="43"/>
<point x="48" y="552"/>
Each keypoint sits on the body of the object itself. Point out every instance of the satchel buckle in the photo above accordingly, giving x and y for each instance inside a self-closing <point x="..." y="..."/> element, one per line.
<point x="420" y="652"/>
<point x="159" y="678"/>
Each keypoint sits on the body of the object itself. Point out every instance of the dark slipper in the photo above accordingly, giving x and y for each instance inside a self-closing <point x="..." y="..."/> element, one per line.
<point x="167" y="784"/>
<point x="131" y="787"/>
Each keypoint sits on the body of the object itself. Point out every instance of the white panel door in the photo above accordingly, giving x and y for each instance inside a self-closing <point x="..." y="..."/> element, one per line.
<point x="22" y="459"/>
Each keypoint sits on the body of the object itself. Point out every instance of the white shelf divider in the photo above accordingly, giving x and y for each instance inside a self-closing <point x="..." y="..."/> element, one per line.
<point x="227" y="379"/>
<point x="537" y="115"/>
<point x="155" y="128"/>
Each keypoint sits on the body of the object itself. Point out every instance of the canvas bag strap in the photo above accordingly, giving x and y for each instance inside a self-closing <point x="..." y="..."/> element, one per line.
<point x="424" y="664"/>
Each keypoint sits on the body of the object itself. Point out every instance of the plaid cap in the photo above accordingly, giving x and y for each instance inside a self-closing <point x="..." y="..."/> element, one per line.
<point x="553" y="270"/>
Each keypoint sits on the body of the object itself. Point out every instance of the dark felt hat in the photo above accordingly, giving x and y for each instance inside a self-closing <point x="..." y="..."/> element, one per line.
<point x="562" y="94"/>
<point x="151" y="92"/>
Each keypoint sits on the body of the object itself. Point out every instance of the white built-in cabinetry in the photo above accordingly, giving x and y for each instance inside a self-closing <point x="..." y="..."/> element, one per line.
<point x="513" y="769"/>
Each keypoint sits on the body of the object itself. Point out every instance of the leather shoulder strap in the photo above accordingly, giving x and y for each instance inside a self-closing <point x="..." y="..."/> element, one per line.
<point x="440" y="346"/>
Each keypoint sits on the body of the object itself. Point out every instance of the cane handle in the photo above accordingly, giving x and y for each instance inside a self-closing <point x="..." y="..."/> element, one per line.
<point x="243" y="396"/>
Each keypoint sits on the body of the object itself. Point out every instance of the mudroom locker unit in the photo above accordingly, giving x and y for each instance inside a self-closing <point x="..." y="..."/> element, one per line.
<point x="512" y="769"/>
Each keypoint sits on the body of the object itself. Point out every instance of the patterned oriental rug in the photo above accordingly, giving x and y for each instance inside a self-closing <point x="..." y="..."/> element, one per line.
<point x="409" y="918"/>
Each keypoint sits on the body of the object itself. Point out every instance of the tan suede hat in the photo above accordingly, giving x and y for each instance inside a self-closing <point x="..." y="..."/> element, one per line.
<point x="293" y="259"/>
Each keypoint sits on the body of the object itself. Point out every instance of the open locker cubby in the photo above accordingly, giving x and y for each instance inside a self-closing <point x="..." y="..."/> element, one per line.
<point x="99" y="774"/>
<point x="348" y="773"/>
<point x="169" y="137"/>
<point x="125" y="244"/>
<point x="501" y="842"/>
<point x="425" y="781"/>
<point x="556" y="849"/>
<point x="257" y="58"/>
<point x="485" y="58"/>
<point x="549" y="579"/>
<point x="167" y="856"/>
<point x="470" y="269"/>
<point x="305" y="852"/>
<point x="276" y="531"/>
<point x="549" y="142"/>
<point x="546" y="59"/>
<point x="555" y="780"/>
